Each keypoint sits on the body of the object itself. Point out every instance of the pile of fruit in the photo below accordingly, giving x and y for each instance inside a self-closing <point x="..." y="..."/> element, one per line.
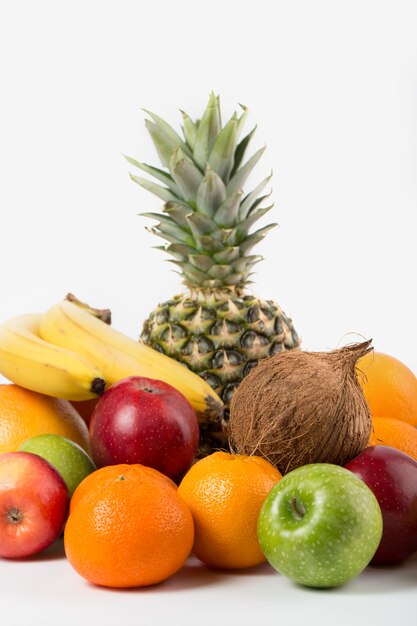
<point x="215" y="434"/>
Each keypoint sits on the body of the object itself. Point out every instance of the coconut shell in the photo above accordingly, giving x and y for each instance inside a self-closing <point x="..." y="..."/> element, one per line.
<point x="299" y="407"/>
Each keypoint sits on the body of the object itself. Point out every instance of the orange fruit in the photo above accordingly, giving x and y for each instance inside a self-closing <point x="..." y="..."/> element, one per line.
<point x="390" y="387"/>
<point x="25" y="414"/>
<point x="225" y="493"/>
<point x="128" y="527"/>
<point x="96" y="479"/>
<point x="388" y="431"/>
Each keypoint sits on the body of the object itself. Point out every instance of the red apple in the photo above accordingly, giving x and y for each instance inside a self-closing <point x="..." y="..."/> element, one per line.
<point x="140" y="420"/>
<point x="392" y="476"/>
<point x="33" y="504"/>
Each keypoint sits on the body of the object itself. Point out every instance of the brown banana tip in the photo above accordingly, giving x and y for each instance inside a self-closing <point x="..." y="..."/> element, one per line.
<point x="214" y="409"/>
<point x="98" y="385"/>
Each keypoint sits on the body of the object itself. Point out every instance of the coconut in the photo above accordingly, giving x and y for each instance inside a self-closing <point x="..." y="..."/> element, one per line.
<point x="300" y="407"/>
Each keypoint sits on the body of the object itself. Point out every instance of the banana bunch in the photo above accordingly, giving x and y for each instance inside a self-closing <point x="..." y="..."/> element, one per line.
<point x="70" y="353"/>
<point x="38" y="365"/>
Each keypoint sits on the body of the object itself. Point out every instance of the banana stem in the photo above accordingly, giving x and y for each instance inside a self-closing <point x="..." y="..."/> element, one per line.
<point x="102" y="314"/>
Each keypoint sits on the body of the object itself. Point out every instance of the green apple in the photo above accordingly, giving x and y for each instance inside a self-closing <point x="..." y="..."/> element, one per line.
<point x="320" y="525"/>
<point x="71" y="461"/>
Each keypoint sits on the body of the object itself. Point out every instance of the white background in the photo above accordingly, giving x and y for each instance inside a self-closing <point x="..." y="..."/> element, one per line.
<point x="332" y="86"/>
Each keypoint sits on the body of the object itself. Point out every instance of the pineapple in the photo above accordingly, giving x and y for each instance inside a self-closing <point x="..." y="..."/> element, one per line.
<point x="216" y="328"/>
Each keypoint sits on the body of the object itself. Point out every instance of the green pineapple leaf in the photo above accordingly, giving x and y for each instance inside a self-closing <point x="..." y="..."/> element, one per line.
<point x="227" y="214"/>
<point x="244" y="263"/>
<point x="164" y="145"/>
<point x="251" y="241"/>
<point x="185" y="174"/>
<point x="178" y="212"/>
<point x="162" y="192"/>
<point x="157" y="173"/>
<point x="211" y="193"/>
<point x="249" y="201"/>
<point x="201" y="261"/>
<point x="241" y="150"/>
<point x="167" y="131"/>
<point x="200" y="225"/>
<point x="192" y="273"/>
<point x="171" y="232"/>
<point x="242" y="118"/>
<point x="240" y="177"/>
<point x="221" y="157"/>
<point x="207" y="133"/>
<point x="208" y="243"/>
<point x="189" y="129"/>
<point x="219" y="271"/>
<point x="243" y="227"/>
<point x="179" y="250"/>
<point x="227" y="255"/>
<point x="257" y="202"/>
<point x="234" y="279"/>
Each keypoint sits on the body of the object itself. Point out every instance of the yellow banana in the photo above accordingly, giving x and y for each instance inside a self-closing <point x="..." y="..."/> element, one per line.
<point x="31" y="362"/>
<point x="118" y="356"/>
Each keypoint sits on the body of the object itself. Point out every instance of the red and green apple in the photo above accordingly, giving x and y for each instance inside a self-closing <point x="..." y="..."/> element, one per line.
<point x="33" y="504"/>
<point x="71" y="461"/>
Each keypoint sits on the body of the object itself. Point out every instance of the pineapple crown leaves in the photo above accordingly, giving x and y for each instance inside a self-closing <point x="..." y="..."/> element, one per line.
<point x="206" y="218"/>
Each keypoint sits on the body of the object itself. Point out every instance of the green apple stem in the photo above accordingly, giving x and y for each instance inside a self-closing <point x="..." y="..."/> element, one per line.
<point x="297" y="509"/>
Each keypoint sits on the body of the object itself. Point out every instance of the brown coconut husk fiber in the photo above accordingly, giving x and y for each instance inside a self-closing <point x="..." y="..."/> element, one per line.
<point x="300" y="407"/>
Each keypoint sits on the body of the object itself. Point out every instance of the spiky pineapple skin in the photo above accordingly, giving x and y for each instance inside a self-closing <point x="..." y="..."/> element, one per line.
<point x="219" y="335"/>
